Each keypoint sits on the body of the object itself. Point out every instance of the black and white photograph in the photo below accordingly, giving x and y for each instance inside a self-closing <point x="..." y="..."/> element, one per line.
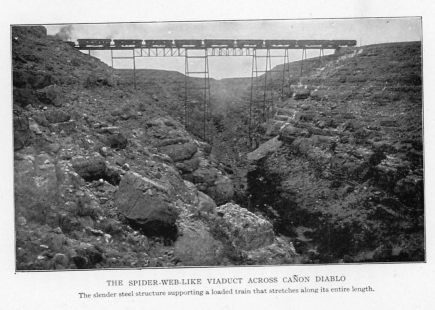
<point x="217" y="154"/>
<point x="218" y="143"/>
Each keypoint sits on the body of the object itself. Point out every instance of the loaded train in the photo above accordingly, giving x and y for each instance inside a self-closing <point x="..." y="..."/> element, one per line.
<point x="199" y="44"/>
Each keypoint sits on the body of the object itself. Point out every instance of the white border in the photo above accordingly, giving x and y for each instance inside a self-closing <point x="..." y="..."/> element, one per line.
<point x="398" y="286"/>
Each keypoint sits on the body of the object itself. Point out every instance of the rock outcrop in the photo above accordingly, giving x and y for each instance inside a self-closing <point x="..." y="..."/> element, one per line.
<point x="142" y="201"/>
<point x="246" y="230"/>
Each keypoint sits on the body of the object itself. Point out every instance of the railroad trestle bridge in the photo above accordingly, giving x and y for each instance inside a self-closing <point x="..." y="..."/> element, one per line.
<point x="201" y="50"/>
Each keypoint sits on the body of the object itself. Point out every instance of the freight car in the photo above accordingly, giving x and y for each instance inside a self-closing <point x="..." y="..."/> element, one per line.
<point x="219" y="43"/>
<point x="280" y="43"/>
<point x="94" y="42"/>
<point x="128" y="43"/>
<point x="158" y="43"/>
<point x="249" y="43"/>
<point x="189" y="43"/>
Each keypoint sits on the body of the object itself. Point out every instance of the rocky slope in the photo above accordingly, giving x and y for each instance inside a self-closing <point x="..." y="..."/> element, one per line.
<point x="104" y="177"/>
<point x="344" y="174"/>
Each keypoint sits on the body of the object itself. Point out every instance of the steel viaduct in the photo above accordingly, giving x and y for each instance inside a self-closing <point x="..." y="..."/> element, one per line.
<point x="201" y="50"/>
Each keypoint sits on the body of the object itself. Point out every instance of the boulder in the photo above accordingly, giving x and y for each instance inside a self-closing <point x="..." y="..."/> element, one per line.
<point x="90" y="169"/>
<point x="24" y="97"/>
<point x="384" y="146"/>
<point x="324" y="141"/>
<point x="50" y="95"/>
<point x="22" y="133"/>
<point x="274" y="127"/>
<point x="319" y="94"/>
<point x="205" y="203"/>
<point x="389" y="123"/>
<point x="206" y="148"/>
<point x="245" y="230"/>
<point x="212" y="182"/>
<point x="351" y="125"/>
<point x="264" y="149"/>
<point x="203" y="175"/>
<point x="222" y="190"/>
<point x="171" y="141"/>
<point x="116" y="141"/>
<point x="40" y="119"/>
<point x="278" y="253"/>
<point x="95" y="79"/>
<point x="189" y="165"/>
<point x="305" y="116"/>
<point x="87" y="256"/>
<point x="197" y="247"/>
<point x="411" y="189"/>
<point x="56" y="116"/>
<point x="142" y="201"/>
<point x="390" y="170"/>
<point x="65" y="127"/>
<point x="301" y="94"/>
<point x="180" y="152"/>
<point x="162" y="122"/>
<point x="289" y="133"/>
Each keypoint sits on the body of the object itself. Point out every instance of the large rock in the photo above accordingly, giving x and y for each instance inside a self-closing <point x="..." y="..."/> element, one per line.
<point x="180" y="152"/>
<point x="116" y="141"/>
<point x="96" y="79"/>
<point x="57" y="116"/>
<point x="87" y="256"/>
<point x="244" y="229"/>
<point x="143" y="202"/>
<point x="24" y="97"/>
<point x="64" y="127"/>
<point x="264" y="149"/>
<point x="171" y="141"/>
<point x="204" y="176"/>
<point x="95" y="168"/>
<point x="301" y="93"/>
<point x="222" y="190"/>
<point x="206" y="203"/>
<point x="289" y="133"/>
<point x="90" y="169"/>
<point x="390" y="170"/>
<point x="411" y="188"/>
<point x="22" y="133"/>
<point x="162" y="122"/>
<point x="50" y="95"/>
<point x="189" y="165"/>
<point x="212" y="182"/>
<point x="196" y="246"/>
<point x="277" y="253"/>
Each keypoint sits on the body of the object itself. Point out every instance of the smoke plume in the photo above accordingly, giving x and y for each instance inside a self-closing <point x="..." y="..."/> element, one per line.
<point x="65" y="33"/>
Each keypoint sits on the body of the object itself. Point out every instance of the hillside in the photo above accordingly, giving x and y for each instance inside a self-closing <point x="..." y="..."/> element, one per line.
<point x="347" y="167"/>
<point x="104" y="177"/>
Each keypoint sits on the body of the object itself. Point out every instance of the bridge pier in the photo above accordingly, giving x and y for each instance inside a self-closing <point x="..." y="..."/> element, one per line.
<point x="191" y="105"/>
<point x="263" y="97"/>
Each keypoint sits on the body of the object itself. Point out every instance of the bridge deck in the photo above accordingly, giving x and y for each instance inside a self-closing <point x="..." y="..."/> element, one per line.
<point x="107" y="44"/>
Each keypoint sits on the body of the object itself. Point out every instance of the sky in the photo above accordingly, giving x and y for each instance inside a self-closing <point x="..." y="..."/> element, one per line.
<point x="365" y="31"/>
